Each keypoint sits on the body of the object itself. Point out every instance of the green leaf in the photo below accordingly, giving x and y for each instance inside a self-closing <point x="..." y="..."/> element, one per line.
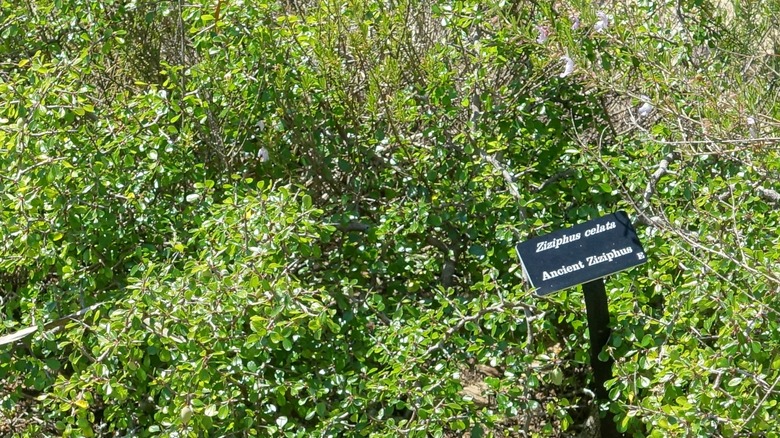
<point x="477" y="250"/>
<point x="53" y="364"/>
<point x="735" y="381"/>
<point x="224" y="412"/>
<point x="556" y="376"/>
<point x="258" y="324"/>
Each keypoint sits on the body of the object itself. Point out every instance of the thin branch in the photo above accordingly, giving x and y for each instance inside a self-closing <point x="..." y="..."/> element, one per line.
<point x="722" y="141"/>
<point x="57" y="323"/>
<point x="758" y="405"/>
<point x="663" y="169"/>
<point x="353" y="226"/>
<point x="769" y="195"/>
<point x="555" y="178"/>
<point x="494" y="308"/>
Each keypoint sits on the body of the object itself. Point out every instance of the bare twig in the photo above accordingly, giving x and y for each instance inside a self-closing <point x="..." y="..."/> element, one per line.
<point x="57" y="323"/>
<point x="723" y="141"/>
<point x="555" y="178"/>
<point x="500" y="307"/>
<point x="758" y="405"/>
<point x="769" y="195"/>
<point x="663" y="169"/>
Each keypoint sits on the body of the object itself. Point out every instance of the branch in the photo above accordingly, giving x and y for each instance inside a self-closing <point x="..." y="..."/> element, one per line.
<point x="722" y="141"/>
<point x="500" y="307"/>
<point x="508" y="178"/>
<point x="57" y="323"/>
<point x="663" y="169"/>
<point x="353" y="226"/>
<point x="769" y="195"/>
<point x="759" y="404"/>
<point x="555" y="178"/>
<point x="451" y="255"/>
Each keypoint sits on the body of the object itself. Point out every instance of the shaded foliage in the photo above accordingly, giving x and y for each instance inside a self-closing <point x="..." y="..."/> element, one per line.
<point x="361" y="279"/>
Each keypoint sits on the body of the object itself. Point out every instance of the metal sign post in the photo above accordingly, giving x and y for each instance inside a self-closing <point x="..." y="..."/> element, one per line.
<point x="585" y="254"/>
<point x="598" y="326"/>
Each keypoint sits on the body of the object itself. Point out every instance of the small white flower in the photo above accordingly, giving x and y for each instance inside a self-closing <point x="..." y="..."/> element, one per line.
<point x="569" y="68"/>
<point x="751" y="120"/>
<point x="261" y="125"/>
<point x="263" y="155"/>
<point x="575" y="22"/>
<point x="603" y="22"/>
<point x="646" y="107"/>
<point x="543" y="34"/>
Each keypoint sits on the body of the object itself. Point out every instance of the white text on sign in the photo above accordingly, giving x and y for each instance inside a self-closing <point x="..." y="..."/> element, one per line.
<point x="591" y="260"/>
<point x="568" y="238"/>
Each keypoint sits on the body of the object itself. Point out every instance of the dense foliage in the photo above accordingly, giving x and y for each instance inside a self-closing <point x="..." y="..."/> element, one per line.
<point x="229" y="218"/>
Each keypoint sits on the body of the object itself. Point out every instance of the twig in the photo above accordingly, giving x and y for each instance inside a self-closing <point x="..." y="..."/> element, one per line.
<point x="494" y="308"/>
<point x="758" y="405"/>
<point x="555" y="178"/>
<point x="57" y="323"/>
<point x="721" y="141"/>
<point x="353" y="226"/>
<point x="769" y="194"/>
<point x="663" y="169"/>
<point x="508" y="178"/>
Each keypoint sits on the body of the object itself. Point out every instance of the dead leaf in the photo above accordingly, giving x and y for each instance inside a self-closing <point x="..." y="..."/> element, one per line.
<point x="477" y="392"/>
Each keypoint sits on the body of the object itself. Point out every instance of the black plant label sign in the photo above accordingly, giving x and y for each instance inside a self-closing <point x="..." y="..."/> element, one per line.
<point x="580" y="254"/>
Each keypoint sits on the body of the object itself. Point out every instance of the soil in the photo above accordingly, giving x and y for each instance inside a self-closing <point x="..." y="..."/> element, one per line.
<point x="537" y="422"/>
